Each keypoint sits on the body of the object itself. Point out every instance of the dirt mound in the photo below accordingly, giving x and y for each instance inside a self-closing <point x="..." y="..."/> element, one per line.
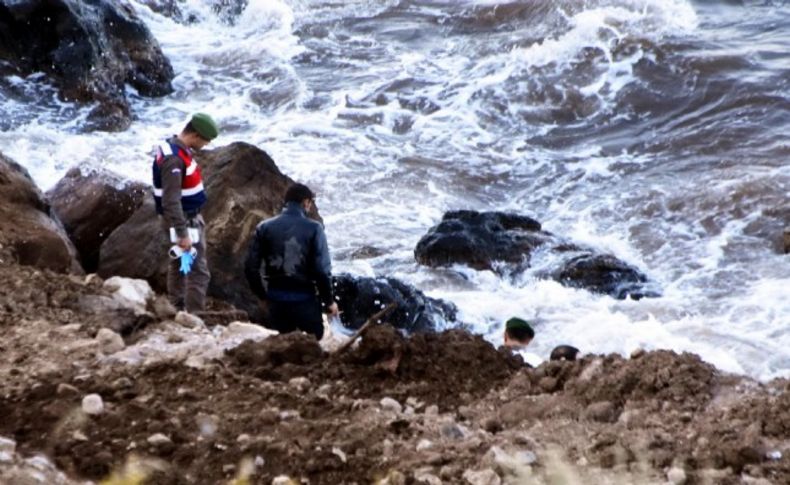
<point x="432" y="368"/>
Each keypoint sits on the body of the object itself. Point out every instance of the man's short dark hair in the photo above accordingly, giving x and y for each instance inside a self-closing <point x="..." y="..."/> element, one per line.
<point x="564" y="352"/>
<point x="189" y="128"/>
<point x="298" y="193"/>
<point x="521" y="334"/>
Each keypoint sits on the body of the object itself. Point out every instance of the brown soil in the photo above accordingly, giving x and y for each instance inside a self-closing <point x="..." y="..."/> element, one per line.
<point x="290" y="408"/>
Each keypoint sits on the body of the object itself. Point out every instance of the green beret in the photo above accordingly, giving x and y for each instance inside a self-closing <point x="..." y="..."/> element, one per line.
<point x="205" y="126"/>
<point x="516" y="323"/>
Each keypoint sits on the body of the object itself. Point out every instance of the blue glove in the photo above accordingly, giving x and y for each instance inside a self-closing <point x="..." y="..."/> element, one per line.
<point x="186" y="262"/>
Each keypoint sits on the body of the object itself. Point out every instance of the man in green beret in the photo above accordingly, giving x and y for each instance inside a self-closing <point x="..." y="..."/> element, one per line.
<point x="179" y="197"/>
<point x="518" y="333"/>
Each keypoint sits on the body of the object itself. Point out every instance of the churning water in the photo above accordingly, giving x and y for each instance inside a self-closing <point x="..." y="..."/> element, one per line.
<point x="656" y="130"/>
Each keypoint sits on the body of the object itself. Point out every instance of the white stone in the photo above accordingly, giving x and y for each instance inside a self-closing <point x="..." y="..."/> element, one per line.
<point x="188" y="320"/>
<point x="432" y="410"/>
<point x="250" y="330"/>
<point x="283" y="480"/>
<point x="7" y="445"/>
<point x="424" y="445"/>
<point x="134" y="293"/>
<point x="428" y="478"/>
<point x="109" y="341"/>
<point x="259" y="461"/>
<point x="774" y="455"/>
<point x="676" y="476"/>
<point x="6" y="457"/>
<point x="482" y="477"/>
<point x="389" y="404"/>
<point x="300" y="383"/>
<point x="339" y="453"/>
<point x="92" y="404"/>
<point x="159" y="439"/>
<point x="243" y="438"/>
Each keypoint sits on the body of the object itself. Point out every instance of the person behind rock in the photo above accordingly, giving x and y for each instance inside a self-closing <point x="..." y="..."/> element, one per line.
<point x="518" y="333"/>
<point x="179" y="196"/>
<point x="288" y="263"/>
<point x="564" y="352"/>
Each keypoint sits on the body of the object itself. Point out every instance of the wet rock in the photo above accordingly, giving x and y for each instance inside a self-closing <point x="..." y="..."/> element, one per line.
<point x="29" y="233"/>
<point x="109" y="341"/>
<point x="92" y="405"/>
<point x="786" y="240"/>
<point x="91" y="202"/>
<point x="90" y="50"/>
<point x="482" y="477"/>
<point x="389" y="404"/>
<point x="362" y="297"/>
<point x="505" y="243"/>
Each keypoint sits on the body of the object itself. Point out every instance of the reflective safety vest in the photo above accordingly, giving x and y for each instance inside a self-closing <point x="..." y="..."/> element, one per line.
<point x="192" y="194"/>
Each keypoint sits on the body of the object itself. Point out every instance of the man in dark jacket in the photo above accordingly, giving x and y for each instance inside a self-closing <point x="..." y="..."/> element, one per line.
<point x="288" y="263"/>
<point x="179" y="197"/>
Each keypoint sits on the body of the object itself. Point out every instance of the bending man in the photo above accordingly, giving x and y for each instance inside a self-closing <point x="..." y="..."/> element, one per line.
<point x="288" y="265"/>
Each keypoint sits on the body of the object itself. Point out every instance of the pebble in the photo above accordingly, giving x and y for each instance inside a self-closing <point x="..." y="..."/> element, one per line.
<point x="482" y="477"/>
<point x="188" y="320"/>
<point x="109" y="341"/>
<point x="428" y="478"/>
<point x="389" y="404"/>
<point x="7" y="445"/>
<point x="676" y="476"/>
<point x="638" y="353"/>
<point x="424" y="445"/>
<point x="601" y="411"/>
<point x="452" y="431"/>
<point x="243" y="438"/>
<point x="432" y="410"/>
<point x="339" y="453"/>
<point x="67" y="390"/>
<point x="283" y="480"/>
<point x="159" y="439"/>
<point x="300" y="383"/>
<point x="92" y="404"/>
<point x="122" y="383"/>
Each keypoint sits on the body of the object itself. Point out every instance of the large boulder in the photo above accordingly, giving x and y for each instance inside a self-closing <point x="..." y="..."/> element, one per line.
<point x="506" y="243"/>
<point x="137" y="248"/>
<point x="91" y="202"/>
<point x="29" y="234"/>
<point x="90" y="49"/>
<point x="359" y="298"/>
<point x="244" y="187"/>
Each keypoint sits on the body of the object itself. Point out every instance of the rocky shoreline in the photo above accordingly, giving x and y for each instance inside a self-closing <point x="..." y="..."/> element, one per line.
<point x="101" y="376"/>
<point x="187" y="402"/>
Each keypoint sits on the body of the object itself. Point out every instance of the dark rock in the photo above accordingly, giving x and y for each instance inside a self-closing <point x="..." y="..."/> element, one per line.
<point x="479" y="239"/>
<point x="505" y="243"/>
<point x="603" y="273"/>
<point x="91" y="202"/>
<point x="786" y="241"/>
<point x="229" y="10"/>
<point x="244" y="187"/>
<point x="137" y="248"/>
<point x="29" y="233"/>
<point x="360" y="298"/>
<point x="90" y="49"/>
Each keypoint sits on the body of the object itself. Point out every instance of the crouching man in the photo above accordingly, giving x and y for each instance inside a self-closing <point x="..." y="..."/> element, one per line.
<point x="288" y="266"/>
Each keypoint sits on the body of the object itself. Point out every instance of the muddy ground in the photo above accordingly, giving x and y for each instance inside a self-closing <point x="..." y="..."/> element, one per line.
<point x="437" y="408"/>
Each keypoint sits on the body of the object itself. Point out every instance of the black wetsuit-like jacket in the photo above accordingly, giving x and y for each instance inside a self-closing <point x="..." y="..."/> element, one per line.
<point x="288" y="258"/>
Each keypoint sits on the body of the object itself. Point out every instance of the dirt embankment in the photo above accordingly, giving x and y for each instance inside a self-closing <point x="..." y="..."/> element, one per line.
<point x="436" y="408"/>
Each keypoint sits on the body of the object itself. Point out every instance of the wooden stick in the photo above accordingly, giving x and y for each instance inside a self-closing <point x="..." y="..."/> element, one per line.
<point x="372" y="320"/>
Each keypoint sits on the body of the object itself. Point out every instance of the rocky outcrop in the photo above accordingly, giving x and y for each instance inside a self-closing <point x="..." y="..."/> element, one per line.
<point x="359" y="298"/>
<point x="505" y="243"/>
<point x="91" y="202"/>
<point x="90" y="49"/>
<point x="228" y="11"/>
<point x="244" y="187"/>
<point x="29" y="234"/>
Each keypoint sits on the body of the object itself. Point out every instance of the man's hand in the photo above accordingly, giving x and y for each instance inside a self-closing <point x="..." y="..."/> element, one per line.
<point x="184" y="243"/>
<point x="332" y="310"/>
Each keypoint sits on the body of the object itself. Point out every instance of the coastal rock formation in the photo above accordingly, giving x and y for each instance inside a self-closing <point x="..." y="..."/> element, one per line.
<point x="244" y="187"/>
<point x="90" y="49"/>
<point x="29" y="234"/>
<point x="505" y="243"/>
<point x="91" y="202"/>
<point x="360" y="298"/>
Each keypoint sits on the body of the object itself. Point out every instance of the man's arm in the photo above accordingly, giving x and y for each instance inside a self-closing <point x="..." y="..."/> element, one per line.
<point x="172" y="170"/>
<point x="322" y="267"/>
<point x="252" y="265"/>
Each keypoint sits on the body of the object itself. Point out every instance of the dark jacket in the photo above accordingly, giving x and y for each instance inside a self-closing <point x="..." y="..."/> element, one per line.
<point x="288" y="258"/>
